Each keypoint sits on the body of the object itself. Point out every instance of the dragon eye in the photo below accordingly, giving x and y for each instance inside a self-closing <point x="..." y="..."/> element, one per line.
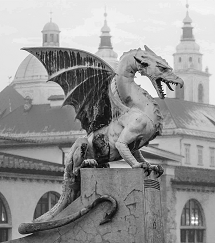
<point x="162" y="69"/>
<point x="144" y="64"/>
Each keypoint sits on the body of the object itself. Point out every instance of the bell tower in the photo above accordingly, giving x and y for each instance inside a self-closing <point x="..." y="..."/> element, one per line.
<point x="188" y="66"/>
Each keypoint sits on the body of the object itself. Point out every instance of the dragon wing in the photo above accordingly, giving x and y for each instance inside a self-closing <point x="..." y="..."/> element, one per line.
<point x="84" y="78"/>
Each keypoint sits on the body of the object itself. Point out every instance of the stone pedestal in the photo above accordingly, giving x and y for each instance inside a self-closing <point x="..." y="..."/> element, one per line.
<point x="138" y="219"/>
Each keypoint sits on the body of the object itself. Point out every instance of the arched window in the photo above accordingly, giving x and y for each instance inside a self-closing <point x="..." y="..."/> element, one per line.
<point x="200" y="93"/>
<point x="46" y="202"/>
<point x="4" y="222"/>
<point x="192" y="223"/>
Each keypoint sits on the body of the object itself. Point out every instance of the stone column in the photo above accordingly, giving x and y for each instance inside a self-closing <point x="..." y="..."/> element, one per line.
<point x="138" y="219"/>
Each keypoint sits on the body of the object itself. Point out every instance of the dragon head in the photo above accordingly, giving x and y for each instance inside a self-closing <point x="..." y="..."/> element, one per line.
<point x="157" y="70"/>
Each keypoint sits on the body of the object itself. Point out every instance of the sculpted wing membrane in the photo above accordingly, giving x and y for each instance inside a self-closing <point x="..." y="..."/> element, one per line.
<point x="85" y="80"/>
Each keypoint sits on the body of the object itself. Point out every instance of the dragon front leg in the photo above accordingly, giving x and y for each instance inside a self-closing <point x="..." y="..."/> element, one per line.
<point x="133" y="129"/>
<point x="136" y="126"/>
<point x="158" y="169"/>
<point x="146" y="165"/>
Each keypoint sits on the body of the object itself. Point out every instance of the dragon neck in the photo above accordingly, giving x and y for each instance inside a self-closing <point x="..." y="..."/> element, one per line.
<point x="125" y="76"/>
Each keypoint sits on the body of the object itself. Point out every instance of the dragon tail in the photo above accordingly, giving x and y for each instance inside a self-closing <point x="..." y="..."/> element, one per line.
<point x="67" y="196"/>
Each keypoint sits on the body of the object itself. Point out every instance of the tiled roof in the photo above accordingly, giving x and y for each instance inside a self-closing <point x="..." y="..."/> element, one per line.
<point x="10" y="99"/>
<point x="53" y="123"/>
<point x="20" y="164"/>
<point x="184" y="117"/>
<point x="195" y="176"/>
<point x="40" y="119"/>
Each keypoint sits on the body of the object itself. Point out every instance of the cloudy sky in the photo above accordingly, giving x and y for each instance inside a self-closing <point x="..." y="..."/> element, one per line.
<point x="133" y="23"/>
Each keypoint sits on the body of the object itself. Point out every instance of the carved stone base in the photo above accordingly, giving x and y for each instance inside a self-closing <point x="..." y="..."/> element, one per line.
<point x="138" y="219"/>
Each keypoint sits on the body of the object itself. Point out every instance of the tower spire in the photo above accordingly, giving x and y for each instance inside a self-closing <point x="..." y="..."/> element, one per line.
<point x="105" y="49"/>
<point x="105" y="42"/>
<point x="187" y="28"/>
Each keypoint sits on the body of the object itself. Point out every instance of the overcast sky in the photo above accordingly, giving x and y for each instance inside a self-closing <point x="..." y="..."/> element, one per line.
<point x="133" y="23"/>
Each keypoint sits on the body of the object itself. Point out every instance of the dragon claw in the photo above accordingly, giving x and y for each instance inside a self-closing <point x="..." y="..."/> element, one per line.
<point x="89" y="163"/>
<point x="147" y="168"/>
<point x="158" y="170"/>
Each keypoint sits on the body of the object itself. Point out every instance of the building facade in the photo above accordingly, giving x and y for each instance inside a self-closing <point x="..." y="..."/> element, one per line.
<point x="189" y="130"/>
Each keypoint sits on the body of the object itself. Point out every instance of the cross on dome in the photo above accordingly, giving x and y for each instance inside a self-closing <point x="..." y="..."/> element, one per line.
<point x="187" y="4"/>
<point x="51" y="16"/>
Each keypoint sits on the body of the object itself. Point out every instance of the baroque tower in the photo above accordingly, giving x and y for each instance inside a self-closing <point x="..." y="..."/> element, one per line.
<point x="188" y="66"/>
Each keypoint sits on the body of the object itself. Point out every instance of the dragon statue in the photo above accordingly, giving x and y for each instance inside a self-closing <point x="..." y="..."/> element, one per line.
<point x="118" y="115"/>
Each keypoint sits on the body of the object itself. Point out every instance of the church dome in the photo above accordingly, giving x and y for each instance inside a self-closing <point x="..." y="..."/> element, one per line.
<point x="51" y="26"/>
<point x="31" y="69"/>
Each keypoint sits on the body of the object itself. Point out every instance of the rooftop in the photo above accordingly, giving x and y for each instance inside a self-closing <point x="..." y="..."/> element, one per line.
<point x="194" y="176"/>
<point x="185" y="117"/>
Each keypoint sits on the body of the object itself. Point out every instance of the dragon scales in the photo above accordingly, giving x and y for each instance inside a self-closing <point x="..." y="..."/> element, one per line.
<point x="119" y="116"/>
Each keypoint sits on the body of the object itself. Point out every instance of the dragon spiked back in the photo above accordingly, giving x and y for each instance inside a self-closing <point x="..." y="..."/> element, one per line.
<point x="85" y="80"/>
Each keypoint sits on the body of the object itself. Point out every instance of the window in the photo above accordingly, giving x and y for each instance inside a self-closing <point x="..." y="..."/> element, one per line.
<point x="51" y="37"/>
<point x="187" y="153"/>
<point x="199" y="60"/>
<point x="192" y="225"/>
<point x="200" y="155"/>
<point x="190" y="59"/>
<point x="3" y="222"/>
<point x="3" y="213"/>
<point x="179" y="92"/>
<point x="3" y="234"/>
<point x="200" y="93"/>
<point x="212" y="160"/>
<point x="45" y="38"/>
<point x="179" y="59"/>
<point x="46" y="202"/>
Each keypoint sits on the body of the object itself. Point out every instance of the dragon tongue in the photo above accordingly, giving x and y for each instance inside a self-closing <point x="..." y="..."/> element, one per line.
<point x="168" y="85"/>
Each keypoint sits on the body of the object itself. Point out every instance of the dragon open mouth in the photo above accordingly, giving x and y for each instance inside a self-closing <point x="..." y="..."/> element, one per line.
<point x="159" y="82"/>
